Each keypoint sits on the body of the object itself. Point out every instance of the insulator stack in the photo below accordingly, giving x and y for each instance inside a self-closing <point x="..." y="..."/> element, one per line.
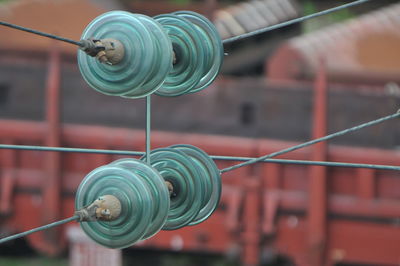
<point x="170" y="55"/>
<point x="181" y="187"/>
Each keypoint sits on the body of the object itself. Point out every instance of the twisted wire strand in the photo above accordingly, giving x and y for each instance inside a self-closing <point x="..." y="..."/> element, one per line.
<point x="328" y="137"/>
<point x="40" y="33"/>
<point x="316" y="163"/>
<point x="246" y="163"/>
<point x="291" y="22"/>
<point x="226" y="41"/>
<point x="215" y="157"/>
<point x="68" y="150"/>
<point x="37" y="229"/>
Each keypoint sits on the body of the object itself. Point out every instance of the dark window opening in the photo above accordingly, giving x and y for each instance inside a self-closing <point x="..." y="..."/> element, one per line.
<point x="247" y="113"/>
<point x="4" y="93"/>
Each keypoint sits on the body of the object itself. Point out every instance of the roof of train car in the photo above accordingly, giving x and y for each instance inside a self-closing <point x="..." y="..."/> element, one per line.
<point x="364" y="48"/>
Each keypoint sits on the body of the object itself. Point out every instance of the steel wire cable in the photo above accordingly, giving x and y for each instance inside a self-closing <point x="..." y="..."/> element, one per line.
<point x="226" y="41"/>
<point x="37" y="229"/>
<point x="316" y="163"/>
<point x="247" y="160"/>
<point x="48" y="35"/>
<point x="308" y="143"/>
<point x="293" y="21"/>
<point x="215" y="157"/>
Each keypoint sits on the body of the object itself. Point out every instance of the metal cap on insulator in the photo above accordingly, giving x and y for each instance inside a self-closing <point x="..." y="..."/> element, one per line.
<point x="107" y="51"/>
<point x="105" y="208"/>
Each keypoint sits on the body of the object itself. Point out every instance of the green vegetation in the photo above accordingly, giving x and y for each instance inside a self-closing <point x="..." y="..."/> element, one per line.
<point x="180" y="2"/>
<point x="309" y="7"/>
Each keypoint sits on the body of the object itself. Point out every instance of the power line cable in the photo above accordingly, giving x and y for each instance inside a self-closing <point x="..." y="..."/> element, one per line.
<point x="316" y="163"/>
<point x="328" y="137"/>
<point x="215" y="157"/>
<point x="247" y="160"/>
<point x="290" y="22"/>
<point x="226" y="41"/>
<point x="37" y="229"/>
<point x="48" y="35"/>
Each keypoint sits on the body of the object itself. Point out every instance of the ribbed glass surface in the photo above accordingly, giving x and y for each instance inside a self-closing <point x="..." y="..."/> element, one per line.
<point x="162" y="61"/>
<point x="136" y="205"/>
<point x="177" y="168"/>
<point x="211" y="177"/>
<point x="138" y="64"/>
<point x="159" y="192"/>
<point x="212" y="44"/>
<point x="190" y="56"/>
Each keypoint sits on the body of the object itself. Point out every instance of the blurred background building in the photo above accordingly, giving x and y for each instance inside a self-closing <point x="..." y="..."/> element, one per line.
<point x="275" y="89"/>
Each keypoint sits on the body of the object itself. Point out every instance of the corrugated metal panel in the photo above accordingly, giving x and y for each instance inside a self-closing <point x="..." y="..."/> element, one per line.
<point x="251" y="15"/>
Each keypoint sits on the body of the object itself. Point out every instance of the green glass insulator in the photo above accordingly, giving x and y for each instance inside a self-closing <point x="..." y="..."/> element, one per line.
<point x="212" y="177"/>
<point x="180" y="171"/>
<point x="136" y="205"/>
<point x="203" y="174"/>
<point x="162" y="60"/>
<point x="158" y="189"/>
<point x="188" y="67"/>
<point x="212" y="42"/>
<point x="137" y="64"/>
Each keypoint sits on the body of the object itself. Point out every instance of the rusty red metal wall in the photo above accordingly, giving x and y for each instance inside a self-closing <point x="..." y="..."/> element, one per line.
<point x="314" y="215"/>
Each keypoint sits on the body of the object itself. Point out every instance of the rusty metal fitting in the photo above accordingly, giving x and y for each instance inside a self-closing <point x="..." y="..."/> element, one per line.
<point x="107" y="51"/>
<point x="105" y="208"/>
<point x="113" y="53"/>
<point x="170" y="188"/>
<point x="91" y="47"/>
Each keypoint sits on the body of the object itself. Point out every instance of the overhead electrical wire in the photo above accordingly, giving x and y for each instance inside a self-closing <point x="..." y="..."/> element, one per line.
<point x="226" y="41"/>
<point x="308" y="143"/>
<point x="215" y="157"/>
<point x="247" y="161"/>
<point x="291" y="22"/>
<point x="37" y="229"/>
<point x="48" y="35"/>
